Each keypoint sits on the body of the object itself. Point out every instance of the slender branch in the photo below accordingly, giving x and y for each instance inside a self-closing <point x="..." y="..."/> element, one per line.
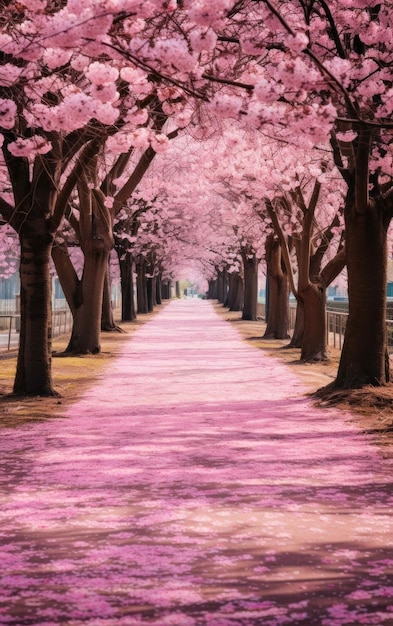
<point x="116" y="170"/>
<point x="62" y="200"/>
<point x="362" y="161"/>
<point x="66" y="273"/>
<point x="315" y="193"/>
<point x="333" y="268"/>
<point x="333" y="30"/>
<point x="139" y="171"/>
<point x="154" y="73"/>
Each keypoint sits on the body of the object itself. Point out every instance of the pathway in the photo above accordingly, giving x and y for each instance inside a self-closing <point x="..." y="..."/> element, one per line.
<point x="195" y="486"/>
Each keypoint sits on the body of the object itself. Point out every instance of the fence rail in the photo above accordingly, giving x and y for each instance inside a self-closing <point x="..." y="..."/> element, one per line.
<point x="10" y="324"/>
<point x="336" y="322"/>
<point x="62" y="323"/>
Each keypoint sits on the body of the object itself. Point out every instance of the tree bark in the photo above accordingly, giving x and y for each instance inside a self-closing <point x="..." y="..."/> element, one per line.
<point x="151" y="293"/>
<point x="364" y="359"/>
<point x="108" y="323"/>
<point x="212" y="292"/>
<point x="86" y="328"/>
<point x="33" y="371"/>
<point x="165" y="289"/>
<point x="250" y="267"/>
<point x="85" y="296"/>
<point x="141" y="286"/>
<point x="235" y="296"/>
<point x="222" y="284"/>
<point x="277" y="326"/>
<point x="158" y="289"/>
<point x="126" y="263"/>
<point x="298" y="331"/>
<point x="314" y="346"/>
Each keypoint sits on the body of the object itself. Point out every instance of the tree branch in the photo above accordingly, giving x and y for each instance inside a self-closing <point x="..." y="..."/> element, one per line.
<point x="63" y="198"/>
<point x="362" y="161"/>
<point x="284" y="244"/>
<point x="333" y="268"/>
<point x="6" y="210"/>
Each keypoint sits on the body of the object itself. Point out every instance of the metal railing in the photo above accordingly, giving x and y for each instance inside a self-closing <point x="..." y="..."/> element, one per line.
<point x="335" y="328"/>
<point x="9" y="327"/>
<point x="336" y="322"/>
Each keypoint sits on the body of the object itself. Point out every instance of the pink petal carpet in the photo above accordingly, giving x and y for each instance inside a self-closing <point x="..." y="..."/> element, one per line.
<point x="195" y="485"/>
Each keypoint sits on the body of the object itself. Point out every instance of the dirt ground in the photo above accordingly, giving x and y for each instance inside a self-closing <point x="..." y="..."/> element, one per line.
<point x="71" y="375"/>
<point x="372" y="409"/>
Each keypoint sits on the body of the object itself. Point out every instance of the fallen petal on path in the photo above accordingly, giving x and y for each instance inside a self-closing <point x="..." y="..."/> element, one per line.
<point x="195" y="485"/>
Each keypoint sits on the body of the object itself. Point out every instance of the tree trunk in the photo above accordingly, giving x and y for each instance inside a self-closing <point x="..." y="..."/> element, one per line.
<point x="141" y="286"/>
<point x="177" y="289"/>
<point x="277" y="317"/>
<point x="85" y="336"/>
<point x="277" y="323"/>
<point x="250" y="264"/>
<point x="364" y="359"/>
<point x="108" y="323"/>
<point x="298" y="331"/>
<point x="33" y="372"/>
<point x="235" y="296"/>
<point x="222" y="284"/>
<point x="126" y="263"/>
<point x="212" y="292"/>
<point x="151" y="293"/>
<point x="313" y="347"/>
<point x="158" y="289"/>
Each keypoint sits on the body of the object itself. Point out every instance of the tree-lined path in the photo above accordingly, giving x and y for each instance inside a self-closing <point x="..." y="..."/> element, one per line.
<point x="195" y="485"/>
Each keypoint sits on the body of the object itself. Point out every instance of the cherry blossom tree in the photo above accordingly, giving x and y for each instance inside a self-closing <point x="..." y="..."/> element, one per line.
<point x="318" y="69"/>
<point x="58" y="103"/>
<point x="74" y="75"/>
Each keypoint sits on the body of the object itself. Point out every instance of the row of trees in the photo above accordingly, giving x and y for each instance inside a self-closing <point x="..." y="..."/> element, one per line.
<point x="281" y="111"/>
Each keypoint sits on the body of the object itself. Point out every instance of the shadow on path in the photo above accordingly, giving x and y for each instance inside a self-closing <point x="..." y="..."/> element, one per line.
<point x="196" y="485"/>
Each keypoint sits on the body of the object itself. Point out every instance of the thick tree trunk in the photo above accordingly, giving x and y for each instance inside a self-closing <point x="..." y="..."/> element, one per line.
<point x="33" y="371"/>
<point x="277" y="323"/>
<point x="298" y="331"/>
<point x="128" y="313"/>
<point x="222" y="285"/>
<point x="177" y="290"/>
<point x="141" y="286"/>
<point x="250" y="265"/>
<point x="108" y="323"/>
<point x="86" y="328"/>
<point x="151" y="293"/>
<point x="313" y="347"/>
<point x="235" y="296"/>
<point x="212" y="292"/>
<point x="364" y="359"/>
<point x="158" y="289"/>
<point x="277" y="317"/>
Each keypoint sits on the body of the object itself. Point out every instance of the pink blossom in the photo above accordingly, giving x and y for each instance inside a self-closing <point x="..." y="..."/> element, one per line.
<point x="7" y="113"/>
<point x="105" y="92"/>
<point x="101" y="73"/>
<point x="298" y="42"/>
<point x="226" y="105"/>
<point x="159" y="142"/>
<point x="56" y="57"/>
<point x="29" y="147"/>
<point x="202" y="39"/>
<point x="9" y="74"/>
<point x="139" y="138"/>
